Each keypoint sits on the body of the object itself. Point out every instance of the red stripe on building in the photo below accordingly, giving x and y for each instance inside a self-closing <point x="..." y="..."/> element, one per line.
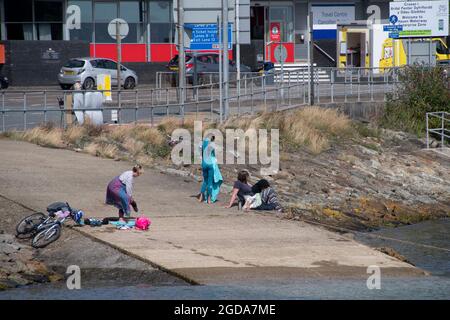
<point x="136" y="52"/>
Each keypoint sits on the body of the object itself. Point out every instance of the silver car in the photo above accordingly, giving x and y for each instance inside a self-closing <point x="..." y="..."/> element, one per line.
<point x="85" y="70"/>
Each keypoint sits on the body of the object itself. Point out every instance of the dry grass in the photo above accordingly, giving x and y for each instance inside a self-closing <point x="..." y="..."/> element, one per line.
<point x="74" y="135"/>
<point x="104" y="150"/>
<point x="44" y="137"/>
<point x="148" y="135"/>
<point x="311" y="127"/>
<point x="168" y="125"/>
<point x="133" y="146"/>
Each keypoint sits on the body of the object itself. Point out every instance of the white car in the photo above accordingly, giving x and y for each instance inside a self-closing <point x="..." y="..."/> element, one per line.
<point x="85" y="70"/>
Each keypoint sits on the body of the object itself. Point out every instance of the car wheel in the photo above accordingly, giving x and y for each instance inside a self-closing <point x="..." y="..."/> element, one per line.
<point x="66" y="86"/>
<point x="88" y="84"/>
<point x="130" y="83"/>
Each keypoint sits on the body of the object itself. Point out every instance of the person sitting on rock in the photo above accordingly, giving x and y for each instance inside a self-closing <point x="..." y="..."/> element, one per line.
<point x="269" y="199"/>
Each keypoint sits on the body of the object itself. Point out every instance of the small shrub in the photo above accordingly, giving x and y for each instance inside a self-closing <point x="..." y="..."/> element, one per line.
<point x="422" y="89"/>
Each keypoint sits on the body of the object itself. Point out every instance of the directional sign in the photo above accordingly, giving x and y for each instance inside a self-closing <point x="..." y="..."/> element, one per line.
<point x="392" y="28"/>
<point x="420" y="18"/>
<point x="394" y="35"/>
<point x="205" y="36"/>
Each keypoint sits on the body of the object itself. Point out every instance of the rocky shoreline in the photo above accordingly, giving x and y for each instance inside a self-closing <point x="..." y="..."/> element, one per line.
<point x="384" y="181"/>
<point x="21" y="265"/>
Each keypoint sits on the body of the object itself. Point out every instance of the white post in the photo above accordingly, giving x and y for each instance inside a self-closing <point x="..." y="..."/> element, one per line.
<point x="238" y="47"/>
<point x="219" y="31"/>
<point x="226" y="61"/>
<point x="181" y="55"/>
<point x="119" y="53"/>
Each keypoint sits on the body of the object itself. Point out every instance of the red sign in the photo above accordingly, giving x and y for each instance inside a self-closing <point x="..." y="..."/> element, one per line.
<point x="275" y="31"/>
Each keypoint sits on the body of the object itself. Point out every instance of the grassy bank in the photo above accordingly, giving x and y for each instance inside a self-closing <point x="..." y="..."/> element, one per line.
<point x="313" y="129"/>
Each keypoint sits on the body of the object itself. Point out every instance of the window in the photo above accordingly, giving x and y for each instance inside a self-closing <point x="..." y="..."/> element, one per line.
<point x="19" y="20"/>
<point x="204" y="59"/>
<point x="84" y="30"/>
<point x="161" y="26"/>
<point x="74" y="64"/>
<point x="45" y="24"/>
<point x="96" y="63"/>
<point x="104" y="12"/>
<point x="48" y="16"/>
<point x="440" y="48"/>
<point x="108" y="64"/>
<point x="283" y="15"/>
<point x="132" y="11"/>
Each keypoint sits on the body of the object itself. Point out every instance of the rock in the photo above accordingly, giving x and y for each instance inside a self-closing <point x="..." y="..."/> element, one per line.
<point x="391" y="252"/>
<point x="19" y="281"/>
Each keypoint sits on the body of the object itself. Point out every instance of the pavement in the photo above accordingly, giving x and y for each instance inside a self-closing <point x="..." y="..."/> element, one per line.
<point x="200" y="243"/>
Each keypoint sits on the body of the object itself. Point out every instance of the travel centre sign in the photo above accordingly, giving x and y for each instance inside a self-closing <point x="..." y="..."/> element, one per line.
<point x="420" y="18"/>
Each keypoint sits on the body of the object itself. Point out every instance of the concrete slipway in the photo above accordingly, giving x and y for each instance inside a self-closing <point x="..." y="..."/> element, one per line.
<point x="201" y="243"/>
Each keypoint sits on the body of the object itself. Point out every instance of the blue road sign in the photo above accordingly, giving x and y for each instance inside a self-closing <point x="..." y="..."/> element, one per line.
<point x="393" y="19"/>
<point x="394" y="35"/>
<point x="205" y="36"/>
<point x="393" y="28"/>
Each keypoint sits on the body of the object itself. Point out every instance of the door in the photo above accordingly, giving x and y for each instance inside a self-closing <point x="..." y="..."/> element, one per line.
<point x="111" y="67"/>
<point x="257" y="33"/>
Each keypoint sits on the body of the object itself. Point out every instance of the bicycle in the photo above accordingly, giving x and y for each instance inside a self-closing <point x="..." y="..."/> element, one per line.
<point x="46" y="229"/>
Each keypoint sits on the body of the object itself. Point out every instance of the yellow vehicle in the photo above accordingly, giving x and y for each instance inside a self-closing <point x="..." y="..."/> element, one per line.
<point x="395" y="51"/>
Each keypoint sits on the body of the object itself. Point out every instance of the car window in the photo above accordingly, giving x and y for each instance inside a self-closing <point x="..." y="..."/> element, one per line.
<point x="440" y="49"/>
<point x="203" y="59"/>
<point x="74" y="63"/>
<point x="96" y="63"/>
<point x="215" y="58"/>
<point x="111" y="65"/>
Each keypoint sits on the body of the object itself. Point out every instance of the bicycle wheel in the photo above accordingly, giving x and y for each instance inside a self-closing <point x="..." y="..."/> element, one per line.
<point x="28" y="224"/>
<point x="46" y="236"/>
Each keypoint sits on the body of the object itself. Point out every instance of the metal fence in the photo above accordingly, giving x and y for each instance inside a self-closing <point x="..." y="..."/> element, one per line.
<point x="21" y="110"/>
<point x="438" y="125"/>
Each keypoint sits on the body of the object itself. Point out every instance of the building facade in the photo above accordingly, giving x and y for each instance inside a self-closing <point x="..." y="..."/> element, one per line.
<point x="150" y="33"/>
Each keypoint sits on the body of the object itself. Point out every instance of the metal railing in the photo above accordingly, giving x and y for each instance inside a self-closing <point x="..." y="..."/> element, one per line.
<point x="21" y="110"/>
<point x="438" y="125"/>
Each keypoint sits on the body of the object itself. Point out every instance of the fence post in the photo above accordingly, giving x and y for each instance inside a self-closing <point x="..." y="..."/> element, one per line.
<point x="251" y="95"/>
<point x="428" y="132"/>
<point x="119" y="98"/>
<point x="318" y="84"/>
<point x="136" y="97"/>
<point x="443" y="130"/>
<point x="24" y="111"/>
<point x="239" y="94"/>
<point x="45" y="106"/>
<point x="371" y="84"/>
<point x="264" y="91"/>
<point x="332" y="85"/>
<point x="3" y="112"/>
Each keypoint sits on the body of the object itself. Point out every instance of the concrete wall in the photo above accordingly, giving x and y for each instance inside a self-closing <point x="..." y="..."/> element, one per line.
<point x="32" y="63"/>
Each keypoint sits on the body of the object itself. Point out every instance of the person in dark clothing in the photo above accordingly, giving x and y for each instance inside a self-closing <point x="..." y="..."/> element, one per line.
<point x="269" y="197"/>
<point x="241" y="189"/>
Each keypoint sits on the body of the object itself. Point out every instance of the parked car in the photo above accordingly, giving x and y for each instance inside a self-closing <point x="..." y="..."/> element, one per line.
<point x="4" y="82"/>
<point x="206" y="63"/>
<point x="86" y="70"/>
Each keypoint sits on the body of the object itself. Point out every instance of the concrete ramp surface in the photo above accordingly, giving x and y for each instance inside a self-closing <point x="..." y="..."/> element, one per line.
<point x="201" y="243"/>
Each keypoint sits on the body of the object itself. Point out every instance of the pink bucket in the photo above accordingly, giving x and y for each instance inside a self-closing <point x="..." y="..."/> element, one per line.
<point x="142" y="223"/>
